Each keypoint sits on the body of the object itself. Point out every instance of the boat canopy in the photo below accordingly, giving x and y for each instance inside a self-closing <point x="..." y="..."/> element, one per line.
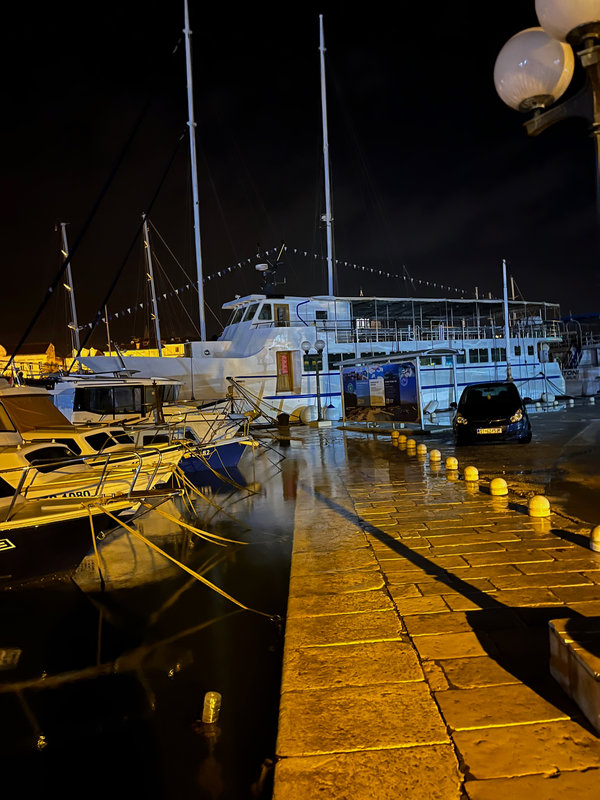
<point x="28" y="412"/>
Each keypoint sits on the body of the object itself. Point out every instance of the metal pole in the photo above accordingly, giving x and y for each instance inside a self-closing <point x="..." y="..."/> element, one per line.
<point x="73" y="327"/>
<point x="152" y="286"/>
<point x="319" y="415"/>
<point x="328" y="214"/>
<point x="506" y="328"/>
<point x="194" y="171"/>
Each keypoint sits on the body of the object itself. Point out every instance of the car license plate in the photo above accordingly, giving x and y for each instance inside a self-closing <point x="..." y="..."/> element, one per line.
<point x="489" y="430"/>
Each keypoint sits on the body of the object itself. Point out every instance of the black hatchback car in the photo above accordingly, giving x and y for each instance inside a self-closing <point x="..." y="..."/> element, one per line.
<point x="491" y="412"/>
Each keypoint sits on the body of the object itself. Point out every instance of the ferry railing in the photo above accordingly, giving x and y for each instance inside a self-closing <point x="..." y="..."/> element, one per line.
<point x="436" y="332"/>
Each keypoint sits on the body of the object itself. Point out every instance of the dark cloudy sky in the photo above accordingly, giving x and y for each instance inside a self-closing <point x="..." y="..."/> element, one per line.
<point x="431" y="171"/>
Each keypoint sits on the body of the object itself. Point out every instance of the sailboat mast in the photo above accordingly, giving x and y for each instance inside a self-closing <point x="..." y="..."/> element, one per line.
<point x="506" y="323"/>
<point x="73" y="326"/>
<point x="194" y="171"/>
<point x="152" y="286"/>
<point x="328" y="214"/>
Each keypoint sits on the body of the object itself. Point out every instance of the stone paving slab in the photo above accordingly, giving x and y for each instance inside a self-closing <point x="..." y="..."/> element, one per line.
<point x="558" y="786"/>
<point x="352" y="718"/>
<point x="408" y="773"/>
<point x="416" y="648"/>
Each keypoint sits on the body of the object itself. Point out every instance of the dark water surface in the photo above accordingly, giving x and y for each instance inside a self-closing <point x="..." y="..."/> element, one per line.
<point x="101" y="692"/>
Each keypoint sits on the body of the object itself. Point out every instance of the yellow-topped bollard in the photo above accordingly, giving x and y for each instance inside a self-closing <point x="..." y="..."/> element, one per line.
<point x="395" y="434"/>
<point x="471" y="474"/>
<point x="402" y="440"/>
<point x="421" y="449"/>
<point x="595" y="539"/>
<point x="498" y="487"/>
<point x="435" y="455"/>
<point x="538" y="506"/>
<point x="452" y="462"/>
<point x="411" y="442"/>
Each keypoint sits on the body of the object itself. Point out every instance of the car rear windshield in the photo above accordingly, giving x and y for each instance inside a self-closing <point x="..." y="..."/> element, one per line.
<point x="486" y="401"/>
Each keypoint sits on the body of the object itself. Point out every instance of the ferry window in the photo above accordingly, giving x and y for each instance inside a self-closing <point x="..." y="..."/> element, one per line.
<point x="282" y="315"/>
<point x="311" y="360"/>
<point x="71" y="444"/>
<point x="498" y="353"/>
<point x="320" y="314"/>
<point x="478" y="355"/>
<point x="529" y="349"/>
<point x="517" y="350"/>
<point x="266" y="311"/>
<point x="250" y="312"/>
<point x="461" y="358"/>
<point x="336" y="358"/>
<point x="99" y="440"/>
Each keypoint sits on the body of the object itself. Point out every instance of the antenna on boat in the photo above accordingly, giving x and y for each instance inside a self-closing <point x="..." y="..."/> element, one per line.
<point x="269" y="270"/>
<point x="506" y="322"/>
<point x="152" y="286"/>
<point x="328" y="215"/>
<point x="194" y="170"/>
<point x="73" y="326"/>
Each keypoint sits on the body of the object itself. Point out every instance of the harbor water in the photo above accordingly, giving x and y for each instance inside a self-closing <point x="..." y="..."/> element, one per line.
<point x="103" y="675"/>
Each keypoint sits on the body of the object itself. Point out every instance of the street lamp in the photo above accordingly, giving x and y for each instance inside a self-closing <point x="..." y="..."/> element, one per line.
<point x="319" y="346"/>
<point x="535" y="67"/>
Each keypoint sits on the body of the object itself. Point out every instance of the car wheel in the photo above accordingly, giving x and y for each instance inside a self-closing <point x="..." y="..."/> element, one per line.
<point x="525" y="439"/>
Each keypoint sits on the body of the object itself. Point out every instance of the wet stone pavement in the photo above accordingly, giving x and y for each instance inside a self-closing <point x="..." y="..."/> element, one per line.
<point x="416" y="661"/>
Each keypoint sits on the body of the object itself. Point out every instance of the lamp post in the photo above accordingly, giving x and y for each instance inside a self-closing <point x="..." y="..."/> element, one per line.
<point x="534" y="68"/>
<point x="319" y="346"/>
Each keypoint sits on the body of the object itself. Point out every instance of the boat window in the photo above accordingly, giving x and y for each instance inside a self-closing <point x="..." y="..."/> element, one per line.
<point x="517" y="350"/>
<point x="122" y="438"/>
<point x="156" y="438"/>
<point x="99" y="440"/>
<point x="47" y="459"/>
<point x="478" y="355"/>
<point x="461" y="358"/>
<point x="529" y="349"/>
<point x="97" y="400"/>
<point x="498" y="353"/>
<point x="128" y="399"/>
<point x="320" y="314"/>
<point x="250" y="312"/>
<point x="71" y="444"/>
<point x="236" y="316"/>
<point x="5" y="423"/>
<point x="266" y="311"/>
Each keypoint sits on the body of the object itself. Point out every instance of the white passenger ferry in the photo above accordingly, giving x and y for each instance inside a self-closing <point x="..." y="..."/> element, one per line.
<point x="268" y="349"/>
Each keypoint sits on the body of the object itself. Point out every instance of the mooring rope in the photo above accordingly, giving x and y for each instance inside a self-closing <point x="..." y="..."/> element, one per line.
<point x="187" y="569"/>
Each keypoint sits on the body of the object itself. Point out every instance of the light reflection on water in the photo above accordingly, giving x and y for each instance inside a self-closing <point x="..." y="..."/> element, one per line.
<point x="104" y="689"/>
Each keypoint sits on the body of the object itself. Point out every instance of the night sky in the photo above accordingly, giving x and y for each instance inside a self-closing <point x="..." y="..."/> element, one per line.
<point x="434" y="178"/>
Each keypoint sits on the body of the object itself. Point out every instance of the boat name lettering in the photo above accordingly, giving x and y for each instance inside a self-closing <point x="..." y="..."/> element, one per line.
<point x="80" y="493"/>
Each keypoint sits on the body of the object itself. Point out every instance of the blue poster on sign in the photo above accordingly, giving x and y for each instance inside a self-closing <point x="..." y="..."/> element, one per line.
<point x="388" y="388"/>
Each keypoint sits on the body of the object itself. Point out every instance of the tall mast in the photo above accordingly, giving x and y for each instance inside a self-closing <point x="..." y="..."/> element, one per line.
<point x="152" y="286"/>
<point x="328" y="214"/>
<point x="506" y="322"/>
<point x="73" y="326"/>
<point x="194" y="170"/>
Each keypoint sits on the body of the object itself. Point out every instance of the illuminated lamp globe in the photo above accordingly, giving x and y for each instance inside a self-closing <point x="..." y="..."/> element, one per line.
<point x="305" y="346"/>
<point x="533" y="70"/>
<point x="319" y="345"/>
<point x="560" y="19"/>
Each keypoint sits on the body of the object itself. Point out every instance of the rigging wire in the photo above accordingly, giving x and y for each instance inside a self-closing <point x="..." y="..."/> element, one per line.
<point x="138" y="231"/>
